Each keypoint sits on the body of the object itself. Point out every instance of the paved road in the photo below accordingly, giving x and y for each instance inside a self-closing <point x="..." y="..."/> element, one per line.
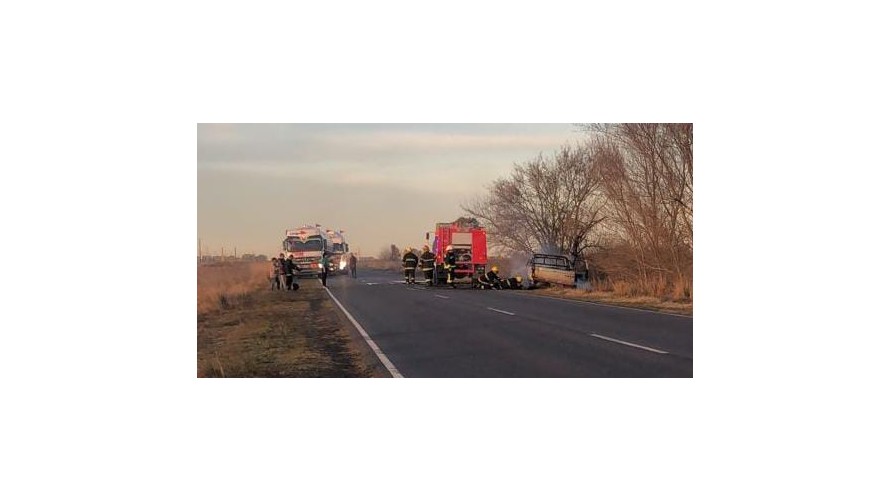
<point x="444" y="332"/>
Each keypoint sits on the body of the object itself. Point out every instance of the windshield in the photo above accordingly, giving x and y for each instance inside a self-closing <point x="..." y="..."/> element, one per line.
<point x="295" y="245"/>
<point x="338" y="248"/>
<point x="554" y="261"/>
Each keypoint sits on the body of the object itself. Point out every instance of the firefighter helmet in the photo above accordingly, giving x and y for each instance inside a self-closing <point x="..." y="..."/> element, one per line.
<point x="448" y="248"/>
<point x="407" y="249"/>
<point x="426" y="248"/>
<point x="494" y="268"/>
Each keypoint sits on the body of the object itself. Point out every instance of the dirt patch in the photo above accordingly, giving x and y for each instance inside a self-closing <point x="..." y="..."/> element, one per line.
<point x="279" y="333"/>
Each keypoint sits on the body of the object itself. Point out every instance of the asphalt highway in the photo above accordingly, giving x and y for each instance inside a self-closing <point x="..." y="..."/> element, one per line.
<point x="445" y="332"/>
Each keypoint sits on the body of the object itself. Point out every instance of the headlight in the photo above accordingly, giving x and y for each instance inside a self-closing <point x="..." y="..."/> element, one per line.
<point x="342" y="265"/>
<point x="320" y="266"/>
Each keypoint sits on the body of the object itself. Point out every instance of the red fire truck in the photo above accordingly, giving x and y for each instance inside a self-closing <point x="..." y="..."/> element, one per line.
<point x="470" y="249"/>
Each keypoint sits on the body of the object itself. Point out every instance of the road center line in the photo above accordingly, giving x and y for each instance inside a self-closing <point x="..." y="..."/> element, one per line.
<point x="630" y="344"/>
<point x="376" y="349"/>
<point x="501" y="311"/>
<point x="443" y="297"/>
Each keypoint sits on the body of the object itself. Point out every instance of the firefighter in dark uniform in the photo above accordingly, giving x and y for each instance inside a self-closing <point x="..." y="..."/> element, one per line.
<point x="493" y="278"/>
<point x="450" y="264"/>
<point x="409" y="262"/>
<point x="427" y="264"/>
<point x="483" y="282"/>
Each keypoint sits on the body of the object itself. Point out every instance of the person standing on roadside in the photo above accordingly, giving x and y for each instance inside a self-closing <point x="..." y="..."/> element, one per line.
<point x="427" y="264"/>
<point x="409" y="262"/>
<point x="282" y="275"/>
<point x="352" y="263"/>
<point x="274" y="273"/>
<point x="289" y="272"/>
<point x="450" y="264"/>
<point x="325" y="262"/>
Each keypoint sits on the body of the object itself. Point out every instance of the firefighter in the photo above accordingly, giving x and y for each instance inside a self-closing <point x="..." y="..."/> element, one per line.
<point x="450" y="264"/>
<point x="515" y="282"/>
<point x="483" y="282"/>
<point x="409" y="262"/>
<point x="427" y="264"/>
<point x="493" y="278"/>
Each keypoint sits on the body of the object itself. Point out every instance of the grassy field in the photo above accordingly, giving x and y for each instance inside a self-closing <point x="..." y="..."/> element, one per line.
<point x="247" y="330"/>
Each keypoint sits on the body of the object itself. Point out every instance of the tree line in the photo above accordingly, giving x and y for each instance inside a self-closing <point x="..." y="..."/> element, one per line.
<point x="621" y="200"/>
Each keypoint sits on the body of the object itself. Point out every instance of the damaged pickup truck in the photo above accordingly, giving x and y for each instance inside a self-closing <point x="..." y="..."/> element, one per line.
<point x="556" y="269"/>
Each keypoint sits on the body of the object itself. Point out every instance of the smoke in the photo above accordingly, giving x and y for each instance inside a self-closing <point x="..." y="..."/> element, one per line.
<point x="517" y="264"/>
<point x="583" y="285"/>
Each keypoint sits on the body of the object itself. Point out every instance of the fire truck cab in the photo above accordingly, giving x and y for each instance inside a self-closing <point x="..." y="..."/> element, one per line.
<point x="470" y="249"/>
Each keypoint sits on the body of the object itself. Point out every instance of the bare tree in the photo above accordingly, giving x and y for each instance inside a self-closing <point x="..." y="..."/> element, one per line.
<point x="647" y="178"/>
<point x="547" y="203"/>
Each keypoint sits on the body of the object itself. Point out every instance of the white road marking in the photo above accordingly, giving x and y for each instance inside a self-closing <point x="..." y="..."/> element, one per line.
<point x="396" y="281"/>
<point x="371" y="283"/>
<point x="501" y="311"/>
<point x="443" y="297"/>
<point x="630" y="344"/>
<point x="376" y="349"/>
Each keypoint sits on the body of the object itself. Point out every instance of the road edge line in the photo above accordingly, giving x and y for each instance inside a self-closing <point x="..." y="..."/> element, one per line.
<point x="376" y="349"/>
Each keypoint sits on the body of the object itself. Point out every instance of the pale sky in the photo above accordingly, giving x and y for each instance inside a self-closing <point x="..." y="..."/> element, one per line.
<point x="380" y="183"/>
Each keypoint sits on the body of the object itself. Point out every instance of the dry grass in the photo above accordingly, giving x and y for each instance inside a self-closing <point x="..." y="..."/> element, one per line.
<point x="225" y="285"/>
<point x="247" y="330"/>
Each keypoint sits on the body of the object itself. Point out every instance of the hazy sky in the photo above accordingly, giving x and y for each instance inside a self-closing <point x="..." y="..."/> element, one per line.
<point x="380" y="183"/>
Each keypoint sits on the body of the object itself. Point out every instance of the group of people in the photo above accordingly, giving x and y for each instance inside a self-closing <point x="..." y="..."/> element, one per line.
<point x="491" y="280"/>
<point x="427" y="262"/>
<point x="283" y="271"/>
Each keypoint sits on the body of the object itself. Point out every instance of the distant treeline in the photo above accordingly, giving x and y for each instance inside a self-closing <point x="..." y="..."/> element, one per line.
<point x="226" y="259"/>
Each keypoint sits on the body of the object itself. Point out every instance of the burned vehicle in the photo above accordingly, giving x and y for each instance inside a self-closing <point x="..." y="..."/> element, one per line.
<point x="556" y="269"/>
